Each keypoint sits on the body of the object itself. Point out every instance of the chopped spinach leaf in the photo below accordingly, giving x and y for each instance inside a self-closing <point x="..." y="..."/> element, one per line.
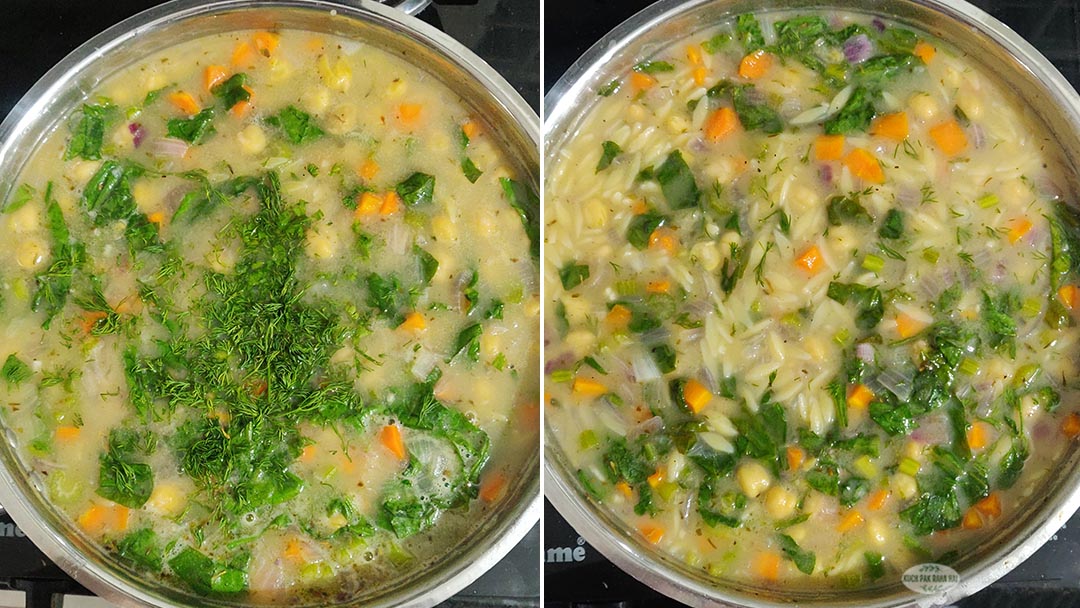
<point x="611" y="150"/>
<point x="297" y="125"/>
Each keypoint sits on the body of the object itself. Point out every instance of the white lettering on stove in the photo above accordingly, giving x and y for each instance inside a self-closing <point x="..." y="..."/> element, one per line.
<point x="10" y="530"/>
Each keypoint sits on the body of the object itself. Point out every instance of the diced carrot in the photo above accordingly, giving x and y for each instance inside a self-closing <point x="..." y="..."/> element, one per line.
<point x="893" y="126"/>
<point x="907" y="326"/>
<point x="766" y="566"/>
<point x="529" y="414"/>
<point x="156" y="217"/>
<point x="369" y="169"/>
<point x="294" y="550"/>
<point x="493" y="487"/>
<point x="409" y="113"/>
<point x="471" y="129"/>
<point x="625" y="489"/>
<point x="877" y="500"/>
<point x="587" y="387"/>
<point x="639" y="207"/>
<point x="829" y="147"/>
<point x="214" y="75"/>
<point x="656" y="478"/>
<point x="755" y="65"/>
<point x="67" y="433"/>
<point x="90" y="319"/>
<point x="184" y="102"/>
<point x="972" y="520"/>
<point x="659" y="286"/>
<point x="243" y="55"/>
<point x="700" y="74"/>
<point x="924" y="50"/>
<point x="390" y="437"/>
<point x="1069" y="295"/>
<point x="1071" y="426"/>
<point x="949" y="137"/>
<point x="390" y="203"/>
<point x="308" y="454"/>
<point x="851" y="520"/>
<point x="863" y="165"/>
<point x="121" y="517"/>
<point x="663" y="238"/>
<point x="413" y="322"/>
<point x="859" y="396"/>
<point x="693" y="54"/>
<point x="315" y="44"/>
<point x="369" y="204"/>
<point x="642" y="82"/>
<point x="93" y="519"/>
<point x="696" y="395"/>
<point x="1018" y="228"/>
<point x="795" y="457"/>
<point x="721" y="123"/>
<point x="266" y="42"/>
<point x="977" y="436"/>
<point x="990" y="506"/>
<point x="618" y="318"/>
<point x="653" y="534"/>
<point x="811" y="260"/>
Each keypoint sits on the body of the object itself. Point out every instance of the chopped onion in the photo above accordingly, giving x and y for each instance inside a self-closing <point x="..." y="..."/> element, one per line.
<point x="652" y="425"/>
<point x="717" y="442"/>
<point x="896" y="382"/>
<point x="526" y="270"/>
<point x="424" y="363"/>
<point x="655" y="336"/>
<point x="169" y="147"/>
<point x="978" y="136"/>
<point x="645" y="369"/>
<point x="858" y="49"/>
<point x="397" y="238"/>
<point x="138" y="133"/>
<point x="865" y="352"/>
<point x="613" y="421"/>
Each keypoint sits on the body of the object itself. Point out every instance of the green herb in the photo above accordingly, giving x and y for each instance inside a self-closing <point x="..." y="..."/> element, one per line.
<point x="804" y="560"/>
<point x="753" y="115"/>
<point x="417" y="189"/>
<point x="893" y="225"/>
<point x="875" y="565"/>
<point x="121" y="479"/>
<point x="142" y="549"/>
<point x="897" y="40"/>
<point x="842" y="209"/>
<point x="495" y="311"/>
<point x="795" y="37"/>
<point x="14" y="371"/>
<point x="232" y="91"/>
<point x="997" y="319"/>
<point x="206" y="576"/>
<point x="609" y="89"/>
<point x="748" y="31"/>
<point x="641" y="228"/>
<point x="468" y="342"/>
<point x="852" y="490"/>
<point x="527" y="203"/>
<point x="22" y="195"/>
<point x="388" y="296"/>
<point x="716" y="44"/>
<point x="194" y="130"/>
<point x="206" y="197"/>
<point x="109" y="323"/>
<point x="724" y="510"/>
<point x="653" y="67"/>
<point x="611" y="150"/>
<point x="89" y="133"/>
<point x="734" y="267"/>
<point x="677" y="182"/>
<point x="297" y="125"/>
<point x="573" y="274"/>
<point x="472" y="173"/>
<point x="875" y="72"/>
<point x="428" y="264"/>
<point x="665" y="357"/>
<point x="867" y="301"/>
<point x="54" y="284"/>
<point x="855" y="116"/>
<point x="107" y="195"/>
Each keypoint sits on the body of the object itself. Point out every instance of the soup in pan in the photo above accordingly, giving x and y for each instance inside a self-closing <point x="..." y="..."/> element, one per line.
<point x="271" y="317"/>
<point x="810" y="285"/>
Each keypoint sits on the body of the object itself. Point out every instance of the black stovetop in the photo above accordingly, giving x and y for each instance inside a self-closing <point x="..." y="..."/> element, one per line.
<point x="575" y="574"/>
<point x="35" y="34"/>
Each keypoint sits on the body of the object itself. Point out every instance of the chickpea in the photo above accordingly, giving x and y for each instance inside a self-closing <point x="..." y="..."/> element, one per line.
<point x="904" y="485"/>
<point x="252" y="139"/>
<point x="970" y="105"/>
<point x="923" y="106"/>
<point x="753" y="478"/>
<point x="342" y="119"/>
<point x="596" y="213"/>
<point x="780" y="502"/>
<point x="315" y="100"/>
<point x="24" y="220"/>
<point x="322" y="245"/>
<point x="636" y="113"/>
<point x="31" y="254"/>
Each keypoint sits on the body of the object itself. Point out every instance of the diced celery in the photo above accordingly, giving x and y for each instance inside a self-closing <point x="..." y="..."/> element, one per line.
<point x="627" y="288"/>
<point x="873" y="263"/>
<point x="665" y="490"/>
<point x="969" y="366"/>
<point x="562" y="375"/>
<point x="987" y="200"/>
<point x="1032" y="307"/>
<point x="792" y="319"/>
<point x="316" y="571"/>
<point x="864" y="467"/>
<point x="588" y="439"/>
<point x="1026" y="375"/>
<point x="716" y="570"/>
<point x="909" y="466"/>
<point x="842" y="337"/>
<point x="930" y="255"/>
<point x="18" y="289"/>
<point x="65" y="489"/>
<point x="398" y="555"/>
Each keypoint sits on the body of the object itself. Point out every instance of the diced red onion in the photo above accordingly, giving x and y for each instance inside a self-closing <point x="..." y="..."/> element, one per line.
<point x="865" y="352"/>
<point x="858" y="49"/>
<point x="652" y="425"/>
<point x="613" y="421"/>
<point x="424" y="363"/>
<point x="825" y="173"/>
<point x="878" y="24"/>
<point x="698" y="144"/>
<point x="138" y="133"/>
<point x="558" y="362"/>
<point x="896" y="382"/>
<point x="978" y="136"/>
<point x="169" y="147"/>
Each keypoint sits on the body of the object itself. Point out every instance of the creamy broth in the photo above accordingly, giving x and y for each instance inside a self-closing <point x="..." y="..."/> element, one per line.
<point x="271" y="317"/>
<point x="810" y="288"/>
